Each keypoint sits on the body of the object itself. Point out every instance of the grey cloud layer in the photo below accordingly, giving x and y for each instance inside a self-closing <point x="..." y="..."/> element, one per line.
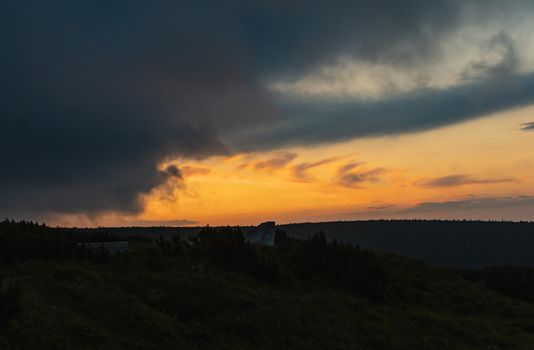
<point x="95" y="94"/>
<point x="475" y="203"/>
<point x="508" y="63"/>
<point x="321" y="122"/>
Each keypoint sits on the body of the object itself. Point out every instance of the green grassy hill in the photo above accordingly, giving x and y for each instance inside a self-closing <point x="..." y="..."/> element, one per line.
<point x="171" y="297"/>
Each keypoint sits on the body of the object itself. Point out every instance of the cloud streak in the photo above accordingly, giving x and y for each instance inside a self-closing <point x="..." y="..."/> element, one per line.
<point x="300" y="171"/>
<point x="528" y="126"/>
<point x="349" y="177"/>
<point x="459" y="180"/>
<point x="275" y="163"/>
<point x="188" y="171"/>
<point x="474" y="203"/>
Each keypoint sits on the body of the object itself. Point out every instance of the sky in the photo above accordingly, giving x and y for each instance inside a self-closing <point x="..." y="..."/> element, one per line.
<point x="237" y="112"/>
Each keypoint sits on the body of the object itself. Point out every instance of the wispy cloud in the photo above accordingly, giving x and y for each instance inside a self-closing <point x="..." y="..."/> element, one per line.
<point x="300" y="171"/>
<point x="194" y="171"/>
<point x="460" y="180"/>
<point x="527" y="126"/>
<point x="280" y="161"/>
<point x="349" y="177"/>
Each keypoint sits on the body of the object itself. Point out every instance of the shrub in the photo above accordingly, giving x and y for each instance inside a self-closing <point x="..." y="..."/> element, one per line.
<point x="263" y="269"/>
<point x="9" y="303"/>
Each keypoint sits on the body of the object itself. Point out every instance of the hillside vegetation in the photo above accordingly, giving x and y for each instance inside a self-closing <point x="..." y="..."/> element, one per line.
<point x="215" y="291"/>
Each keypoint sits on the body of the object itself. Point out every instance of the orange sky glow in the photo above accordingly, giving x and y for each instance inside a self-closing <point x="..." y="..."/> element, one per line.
<point x="384" y="177"/>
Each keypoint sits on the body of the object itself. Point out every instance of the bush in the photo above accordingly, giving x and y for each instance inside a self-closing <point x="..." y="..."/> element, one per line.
<point x="9" y="303"/>
<point x="263" y="269"/>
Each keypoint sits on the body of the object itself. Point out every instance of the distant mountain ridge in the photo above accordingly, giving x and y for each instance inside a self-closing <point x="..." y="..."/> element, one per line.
<point x="470" y="244"/>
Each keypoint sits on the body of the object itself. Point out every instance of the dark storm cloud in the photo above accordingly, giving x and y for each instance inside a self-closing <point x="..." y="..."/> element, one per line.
<point x="94" y="95"/>
<point x="173" y="171"/>
<point x="475" y="203"/>
<point x="291" y="36"/>
<point x="459" y="180"/>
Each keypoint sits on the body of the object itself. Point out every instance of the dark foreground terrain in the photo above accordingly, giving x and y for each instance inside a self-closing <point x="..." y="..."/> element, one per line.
<point x="214" y="291"/>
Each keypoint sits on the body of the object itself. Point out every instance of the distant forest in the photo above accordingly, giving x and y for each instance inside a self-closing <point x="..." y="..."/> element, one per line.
<point x="462" y="244"/>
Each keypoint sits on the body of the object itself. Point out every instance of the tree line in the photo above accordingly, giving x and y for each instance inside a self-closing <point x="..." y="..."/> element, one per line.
<point x="28" y="240"/>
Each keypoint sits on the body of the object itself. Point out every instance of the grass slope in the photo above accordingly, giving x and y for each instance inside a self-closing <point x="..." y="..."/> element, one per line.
<point x="155" y="300"/>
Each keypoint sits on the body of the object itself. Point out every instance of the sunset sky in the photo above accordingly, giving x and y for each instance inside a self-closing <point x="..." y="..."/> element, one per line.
<point x="193" y="113"/>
